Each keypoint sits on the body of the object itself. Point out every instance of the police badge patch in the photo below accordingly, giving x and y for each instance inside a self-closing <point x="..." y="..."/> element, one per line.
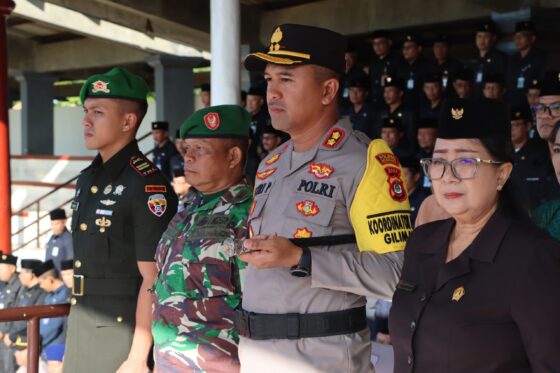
<point x="157" y="204"/>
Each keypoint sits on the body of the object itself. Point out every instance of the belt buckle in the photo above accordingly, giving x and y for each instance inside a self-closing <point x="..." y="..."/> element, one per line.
<point x="79" y="292"/>
<point x="241" y="323"/>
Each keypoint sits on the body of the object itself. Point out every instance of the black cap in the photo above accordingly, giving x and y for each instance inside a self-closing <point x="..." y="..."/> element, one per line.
<point x="8" y="259"/>
<point x="413" y="38"/>
<point x="360" y="82"/>
<point x="521" y="111"/>
<point x="43" y="267"/>
<point x="433" y="78"/>
<point x="494" y="78"/>
<point x="296" y="45"/>
<point x="441" y="38"/>
<point x="487" y="26"/>
<point x="463" y="74"/>
<point x="257" y="91"/>
<point x="380" y="34"/>
<point x="160" y="125"/>
<point x="428" y="122"/>
<point x="268" y="129"/>
<point x="551" y="84"/>
<point x="391" y="81"/>
<point x="534" y="84"/>
<point x="205" y="87"/>
<point x="392" y="122"/>
<point x="30" y="263"/>
<point x="66" y="264"/>
<point x="525" y="26"/>
<point x="57" y="214"/>
<point x="468" y="118"/>
<point x="410" y="162"/>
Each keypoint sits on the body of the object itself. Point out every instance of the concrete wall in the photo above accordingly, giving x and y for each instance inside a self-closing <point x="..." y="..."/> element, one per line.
<point x="68" y="139"/>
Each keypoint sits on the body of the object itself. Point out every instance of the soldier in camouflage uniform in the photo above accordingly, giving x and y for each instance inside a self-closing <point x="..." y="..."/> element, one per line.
<point x="198" y="284"/>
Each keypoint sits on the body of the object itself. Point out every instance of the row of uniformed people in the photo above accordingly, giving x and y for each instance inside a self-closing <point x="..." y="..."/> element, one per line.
<point x="37" y="283"/>
<point x="517" y="72"/>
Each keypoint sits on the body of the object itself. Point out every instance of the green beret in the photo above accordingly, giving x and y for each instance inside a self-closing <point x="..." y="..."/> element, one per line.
<point x="117" y="83"/>
<point x="224" y="121"/>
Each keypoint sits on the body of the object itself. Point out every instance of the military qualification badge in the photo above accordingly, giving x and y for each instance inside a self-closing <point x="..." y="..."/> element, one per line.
<point x="234" y="247"/>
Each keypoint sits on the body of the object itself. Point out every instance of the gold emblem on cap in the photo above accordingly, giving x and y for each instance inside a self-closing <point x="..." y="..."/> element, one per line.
<point x="517" y="114"/>
<point x="457" y="113"/>
<point x="458" y="294"/>
<point x="94" y="189"/>
<point x="4" y="257"/>
<point x="275" y="39"/>
<point x="535" y="82"/>
<point x="100" y="86"/>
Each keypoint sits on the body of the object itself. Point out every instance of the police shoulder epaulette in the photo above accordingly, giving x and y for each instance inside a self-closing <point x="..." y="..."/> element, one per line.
<point x="334" y="139"/>
<point x="142" y="165"/>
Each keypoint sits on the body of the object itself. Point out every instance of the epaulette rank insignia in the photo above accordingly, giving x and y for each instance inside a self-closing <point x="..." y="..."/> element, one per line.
<point x="334" y="138"/>
<point x="143" y="166"/>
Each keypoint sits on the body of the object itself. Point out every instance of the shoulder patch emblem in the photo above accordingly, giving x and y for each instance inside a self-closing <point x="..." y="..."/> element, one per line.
<point x="266" y="173"/>
<point x="320" y="170"/>
<point x="303" y="233"/>
<point x="155" y="189"/>
<point x="273" y="159"/>
<point x="307" y="208"/>
<point x="334" y="138"/>
<point x="212" y="121"/>
<point x="387" y="158"/>
<point x="396" y="185"/>
<point x="157" y="204"/>
<point x="143" y="166"/>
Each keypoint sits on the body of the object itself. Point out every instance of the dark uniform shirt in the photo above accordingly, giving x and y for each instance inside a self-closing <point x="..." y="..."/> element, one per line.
<point x="427" y="111"/>
<point x="363" y="120"/>
<point x="447" y="70"/>
<point x="534" y="175"/>
<point x="521" y="71"/>
<point x="177" y="164"/>
<point x="379" y="69"/>
<point x="162" y="157"/>
<point x="27" y="297"/>
<point x="412" y="76"/>
<point x="492" y="309"/>
<point x="416" y="198"/>
<point x="60" y="248"/>
<point x="494" y="61"/>
<point x="121" y="209"/>
<point x="52" y="329"/>
<point x="259" y="122"/>
<point x="8" y="298"/>
<point x="355" y="72"/>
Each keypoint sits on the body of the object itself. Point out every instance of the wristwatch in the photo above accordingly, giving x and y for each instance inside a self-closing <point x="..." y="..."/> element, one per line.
<point x="303" y="268"/>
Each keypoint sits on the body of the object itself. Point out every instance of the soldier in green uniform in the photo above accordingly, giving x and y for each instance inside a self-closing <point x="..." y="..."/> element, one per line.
<point x="8" y="298"/>
<point x="122" y="206"/>
<point x="198" y="284"/>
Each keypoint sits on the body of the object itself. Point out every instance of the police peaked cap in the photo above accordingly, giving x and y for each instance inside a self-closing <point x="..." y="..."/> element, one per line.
<point x="295" y="45"/>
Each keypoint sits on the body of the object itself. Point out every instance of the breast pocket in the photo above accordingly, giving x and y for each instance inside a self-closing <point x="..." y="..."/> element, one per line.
<point x="311" y="211"/>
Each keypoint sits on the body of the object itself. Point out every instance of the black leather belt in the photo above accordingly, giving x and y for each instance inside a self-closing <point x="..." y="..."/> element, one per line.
<point x="262" y="326"/>
<point x="104" y="286"/>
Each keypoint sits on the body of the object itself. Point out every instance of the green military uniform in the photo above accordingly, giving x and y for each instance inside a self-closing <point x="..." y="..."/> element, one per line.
<point x="121" y="208"/>
<point x="8" y="297"/>
<point x="198" y="284"/>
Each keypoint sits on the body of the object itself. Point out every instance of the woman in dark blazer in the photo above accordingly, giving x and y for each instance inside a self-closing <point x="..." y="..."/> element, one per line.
<point x="479" y="292"/>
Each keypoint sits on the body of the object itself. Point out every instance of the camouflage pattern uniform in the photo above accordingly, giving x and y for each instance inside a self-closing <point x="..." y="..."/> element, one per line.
<point x="198" y="285"/>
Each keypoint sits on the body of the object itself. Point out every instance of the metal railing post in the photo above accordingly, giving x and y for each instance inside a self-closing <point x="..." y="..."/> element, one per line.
<point x="33" y="345"/>
<point x="38" y="221"/>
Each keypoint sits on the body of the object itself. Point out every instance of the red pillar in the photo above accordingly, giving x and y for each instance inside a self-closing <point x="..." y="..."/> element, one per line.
<point x="6" y="7"/>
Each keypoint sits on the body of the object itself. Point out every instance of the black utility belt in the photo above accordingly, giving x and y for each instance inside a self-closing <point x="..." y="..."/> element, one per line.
<point x="104" y="286"/>
<point x="260" y="326"/>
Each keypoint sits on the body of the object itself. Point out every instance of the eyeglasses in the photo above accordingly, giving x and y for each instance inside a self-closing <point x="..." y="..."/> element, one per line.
<point x="540" y="110"/>
<point x="462" y="168"/>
